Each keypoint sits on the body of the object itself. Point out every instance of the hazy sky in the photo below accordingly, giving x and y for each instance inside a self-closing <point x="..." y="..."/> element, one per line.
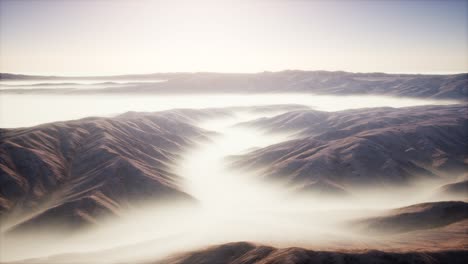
<point x="85" y="37"/>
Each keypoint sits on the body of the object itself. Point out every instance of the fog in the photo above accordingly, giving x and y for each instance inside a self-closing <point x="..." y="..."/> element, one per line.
<point x="21" y="110"/>
<point x="231" y="205"/>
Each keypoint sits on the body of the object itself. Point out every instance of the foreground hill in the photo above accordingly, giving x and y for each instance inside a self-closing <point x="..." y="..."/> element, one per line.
<point x="77" y="171"/>
<point x="373" y="146"/>
<point x="247" y="253"/>
<point x="250" y="253"/>
<point x="319" y="82"/>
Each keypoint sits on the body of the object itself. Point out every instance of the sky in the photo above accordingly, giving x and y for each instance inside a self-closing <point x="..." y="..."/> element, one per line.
<point x="106" y="37"/>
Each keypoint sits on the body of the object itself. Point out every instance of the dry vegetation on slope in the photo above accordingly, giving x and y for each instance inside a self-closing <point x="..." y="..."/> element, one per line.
<point x="374" y="146"/>
<point x="72" y="173"/>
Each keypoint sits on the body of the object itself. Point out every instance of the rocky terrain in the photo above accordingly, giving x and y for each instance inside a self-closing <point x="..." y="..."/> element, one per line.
<point x="364" y="147"/>
<point x="71" y="173"/>
<point x="318" y="82"/>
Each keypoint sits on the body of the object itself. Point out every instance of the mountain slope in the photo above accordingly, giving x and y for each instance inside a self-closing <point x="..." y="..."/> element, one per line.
<point x="416" y="217"/>
<point x="459" y="189"/>
<point x="383" y="146"/>
<point x="77" y="171"/>
<point x="247" y="253"/>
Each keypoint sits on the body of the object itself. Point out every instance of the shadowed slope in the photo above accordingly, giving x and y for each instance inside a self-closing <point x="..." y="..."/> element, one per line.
<point x="459" y="189"/>
<point x="74" y="172"/>
<point x="383" y="146"/>
<point x="247" y="253"/>
<point x="416" y="217"/>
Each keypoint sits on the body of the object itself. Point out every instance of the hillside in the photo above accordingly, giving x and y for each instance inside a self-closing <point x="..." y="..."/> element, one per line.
<point x="364" y="147"/>
<point x="416" y="217"/>
<point x="459" y="188"/>
<point x="248" y="253"/>
<point x="74" y="172"/>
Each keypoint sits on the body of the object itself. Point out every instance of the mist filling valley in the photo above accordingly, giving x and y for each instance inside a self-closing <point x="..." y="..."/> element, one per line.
<point x="231" y="192"/>
<point x="233" y="132"/>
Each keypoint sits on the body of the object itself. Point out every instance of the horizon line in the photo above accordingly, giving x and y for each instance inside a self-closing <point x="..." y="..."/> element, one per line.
<point x="221" y="72"/>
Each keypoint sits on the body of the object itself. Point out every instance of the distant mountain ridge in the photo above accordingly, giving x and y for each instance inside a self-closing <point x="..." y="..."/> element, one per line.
<point x="19" y="77"/>
<point x="454" y="86"/>
<point x="14" y="76"/>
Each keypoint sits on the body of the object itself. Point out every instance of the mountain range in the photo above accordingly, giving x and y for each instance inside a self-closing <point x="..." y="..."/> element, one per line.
<point x="333" y="151"/>
<point x="76" y="172"/>
<point x="291" y="81"/>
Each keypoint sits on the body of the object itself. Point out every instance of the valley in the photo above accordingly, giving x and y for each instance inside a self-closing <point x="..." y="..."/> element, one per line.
<point x="191" y="178"/>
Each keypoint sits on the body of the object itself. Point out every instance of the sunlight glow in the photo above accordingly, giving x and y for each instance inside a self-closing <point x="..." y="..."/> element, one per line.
<point x="121" y="37"/>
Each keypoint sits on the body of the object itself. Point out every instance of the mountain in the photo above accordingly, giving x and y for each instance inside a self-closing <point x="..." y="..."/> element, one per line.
<point x="459" y="188"/>
<point x="318" y="82"/>
<point x="73" y="173"/>
<point x="416" y="217"/>
<point x="18" y="77"/>
<point x="364" y="147"/>
<point x="251" y="253"/>
<point x="23" y="77"/>
<point x="248" y="253"/>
